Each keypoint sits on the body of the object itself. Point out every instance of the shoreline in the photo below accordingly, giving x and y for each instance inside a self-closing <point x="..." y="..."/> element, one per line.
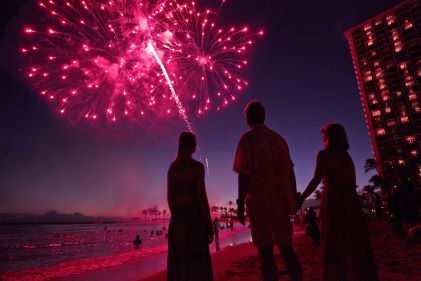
<point x="148" y="261"/>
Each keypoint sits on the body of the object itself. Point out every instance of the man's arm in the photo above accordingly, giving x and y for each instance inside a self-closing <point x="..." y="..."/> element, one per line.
<point x="292" y="180"/>
<point x="318" y="174"/>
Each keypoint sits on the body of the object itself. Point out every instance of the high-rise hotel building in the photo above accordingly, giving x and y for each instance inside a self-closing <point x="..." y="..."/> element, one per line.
<point x="386" y="52"/>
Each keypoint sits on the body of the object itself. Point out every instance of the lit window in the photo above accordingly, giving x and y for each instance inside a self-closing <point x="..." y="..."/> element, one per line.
<point x="371" y="96"/>
<point x="387" y="109"/>
<point x="391" y="123"/>
<point x="370" y="42"/>
<point x="398" y="93"/>
<point x="380" y="132"/>
<point x="390" y="19"/>
<point x="401" y="162"/>
<point x="414" y="153"/>
<point x="367" y="27"/>
<point x="405" y="119"/>
<point x="410" y="139"/>
<point x="412" y="97"/>
<point x="417" y="109"/>
<point x="407" y="24"/>
<point x="376" y="113"/>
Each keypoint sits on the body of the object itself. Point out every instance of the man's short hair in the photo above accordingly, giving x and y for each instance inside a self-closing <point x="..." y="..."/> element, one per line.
<point x="255" y="112"/>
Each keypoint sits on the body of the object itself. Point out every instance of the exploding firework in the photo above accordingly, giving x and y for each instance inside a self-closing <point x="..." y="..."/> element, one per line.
<point x="126" y="58"/>
<point x="207" y="58"/>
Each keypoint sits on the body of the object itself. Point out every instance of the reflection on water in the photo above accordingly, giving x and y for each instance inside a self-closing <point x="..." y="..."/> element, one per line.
<point x="30" y="246"/>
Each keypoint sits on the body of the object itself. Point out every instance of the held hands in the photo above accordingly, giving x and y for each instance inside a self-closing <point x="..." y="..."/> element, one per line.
<point x="210" y="234"/>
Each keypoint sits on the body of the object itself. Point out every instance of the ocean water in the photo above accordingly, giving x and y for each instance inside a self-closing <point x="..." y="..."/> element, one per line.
<point x="29" y="246"/>
<point x="46" y="252"/>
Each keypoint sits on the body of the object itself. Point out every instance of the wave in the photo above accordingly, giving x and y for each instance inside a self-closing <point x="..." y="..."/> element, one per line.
<point x="73" y="267"/>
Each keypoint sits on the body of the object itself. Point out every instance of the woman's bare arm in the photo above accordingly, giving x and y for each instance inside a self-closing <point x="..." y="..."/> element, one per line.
<point x="318" y="175"/>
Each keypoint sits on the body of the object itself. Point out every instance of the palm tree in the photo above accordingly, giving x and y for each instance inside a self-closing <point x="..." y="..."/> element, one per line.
<point x="230" y="203"/>
<point x="376" y="181"/>
<point x="317" y="194"/>
<point x="145" y="213"/>
<point x="369" y="188"/>
<point x="370" y="165"/>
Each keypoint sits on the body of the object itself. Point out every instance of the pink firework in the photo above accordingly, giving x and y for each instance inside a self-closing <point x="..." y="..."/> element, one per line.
<point x="91" y="58"/>
<point x="207" y="59"/>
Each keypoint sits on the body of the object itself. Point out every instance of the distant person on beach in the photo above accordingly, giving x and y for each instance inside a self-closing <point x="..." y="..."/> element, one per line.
<point x="266" y="185"/>
<point x="345" y="245"/>
<point x="216" y="228"/>
<point x="137" y="242"/>
<point x="190" y="231"/>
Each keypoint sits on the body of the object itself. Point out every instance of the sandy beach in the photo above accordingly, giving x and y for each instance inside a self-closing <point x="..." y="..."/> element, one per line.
<point x="396" y="260"/>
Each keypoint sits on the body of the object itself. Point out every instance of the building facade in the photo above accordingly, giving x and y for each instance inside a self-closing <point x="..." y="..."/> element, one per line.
<point x="386" y="52"/>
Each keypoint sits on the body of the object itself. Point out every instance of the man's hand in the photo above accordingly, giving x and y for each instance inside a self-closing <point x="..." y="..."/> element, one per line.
<point x="210" y="233"/>
<point x="240" y="214"/>
<point x="210" y="237"/>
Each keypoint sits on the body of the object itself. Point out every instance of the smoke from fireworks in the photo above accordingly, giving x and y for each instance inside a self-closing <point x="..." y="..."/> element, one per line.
<point x="126" y="58"/>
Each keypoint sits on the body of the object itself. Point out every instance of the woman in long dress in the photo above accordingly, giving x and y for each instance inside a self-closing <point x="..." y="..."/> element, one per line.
<point x="345" y="245"/>
<point x="190" y="231"/>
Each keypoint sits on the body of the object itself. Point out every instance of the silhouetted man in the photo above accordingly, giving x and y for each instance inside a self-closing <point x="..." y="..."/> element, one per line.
<point x="266" y="184"/>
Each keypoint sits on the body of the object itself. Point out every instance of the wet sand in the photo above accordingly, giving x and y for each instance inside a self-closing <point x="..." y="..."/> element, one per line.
<point x="396" y="260"/>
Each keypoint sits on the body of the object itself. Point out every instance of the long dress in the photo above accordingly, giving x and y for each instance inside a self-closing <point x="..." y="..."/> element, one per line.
<point x="188" y="248"/>
<point x="345" y="244"/>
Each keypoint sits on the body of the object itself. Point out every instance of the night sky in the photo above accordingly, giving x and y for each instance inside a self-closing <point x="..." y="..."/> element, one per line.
<point x="301" y="70"/>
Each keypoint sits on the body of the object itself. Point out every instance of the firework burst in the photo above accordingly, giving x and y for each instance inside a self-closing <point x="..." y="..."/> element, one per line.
<point x="126" y="58"/>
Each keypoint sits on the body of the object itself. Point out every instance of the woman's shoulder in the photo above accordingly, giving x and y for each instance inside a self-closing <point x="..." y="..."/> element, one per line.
<point x="323" y="153"/>
<point x="198" y="165"/>
<point x="175" y="166"/>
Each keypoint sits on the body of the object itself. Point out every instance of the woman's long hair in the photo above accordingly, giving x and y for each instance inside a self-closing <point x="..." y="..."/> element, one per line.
<point x="186" y="145"/>
<point x="337" y="138"/>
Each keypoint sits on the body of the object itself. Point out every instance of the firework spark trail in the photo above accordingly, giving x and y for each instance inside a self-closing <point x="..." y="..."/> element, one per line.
<point x="181" y="111"/>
